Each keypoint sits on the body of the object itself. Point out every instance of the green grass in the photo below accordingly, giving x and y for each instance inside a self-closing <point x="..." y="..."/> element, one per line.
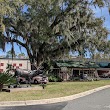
<point x="53" y="90"/>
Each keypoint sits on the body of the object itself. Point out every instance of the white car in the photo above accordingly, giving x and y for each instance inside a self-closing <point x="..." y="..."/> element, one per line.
<point x="35" y="80"/>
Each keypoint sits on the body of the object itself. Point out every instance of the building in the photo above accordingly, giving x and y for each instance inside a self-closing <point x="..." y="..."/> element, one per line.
<point x="67" y="70"/>
<point x="17" y="63"/>
<point x="75" y="70"/>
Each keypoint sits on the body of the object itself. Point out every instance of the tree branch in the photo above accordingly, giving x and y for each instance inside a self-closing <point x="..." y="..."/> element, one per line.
<point x="61" y="15"/>
<point x="61" y="47"/>
<point x="8" y="39"/>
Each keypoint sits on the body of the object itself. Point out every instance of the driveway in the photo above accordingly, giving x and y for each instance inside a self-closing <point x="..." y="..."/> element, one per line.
<point x="97" y="101"/>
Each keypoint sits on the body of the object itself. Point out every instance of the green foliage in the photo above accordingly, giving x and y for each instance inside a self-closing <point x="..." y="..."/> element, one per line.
<point x="6" y="78"/>
<point x="11" y="54"/>
<point x="53" y="78"/>
<point x="43" y="85"/>
<point x="21" y="55"/>
<point x="9" y="68"/>
<point x="7" y="7"/>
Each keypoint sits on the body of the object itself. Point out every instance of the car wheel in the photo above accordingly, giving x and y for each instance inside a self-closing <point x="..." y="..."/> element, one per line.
<point x="35" y="81"/>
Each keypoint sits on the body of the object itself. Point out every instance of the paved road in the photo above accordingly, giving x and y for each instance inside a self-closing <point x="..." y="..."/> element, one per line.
<point x="57" y="106"/>
<point x="96" y="101"/>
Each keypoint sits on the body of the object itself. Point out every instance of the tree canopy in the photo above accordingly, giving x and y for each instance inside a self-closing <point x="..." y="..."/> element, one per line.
<point x="48" y="29"/>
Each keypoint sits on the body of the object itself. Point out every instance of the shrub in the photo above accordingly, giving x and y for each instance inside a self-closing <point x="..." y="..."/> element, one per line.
<point x="5" y="78"/>
<point x="53" y="78"/>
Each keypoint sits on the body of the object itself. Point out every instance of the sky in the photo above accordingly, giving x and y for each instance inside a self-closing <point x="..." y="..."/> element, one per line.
<point x="16" y="47"/>
<point x="98" y="13"/>
<point x="103" y="12"/>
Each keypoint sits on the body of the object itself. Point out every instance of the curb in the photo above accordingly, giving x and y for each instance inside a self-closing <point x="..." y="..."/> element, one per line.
<point x="53" y="100"/>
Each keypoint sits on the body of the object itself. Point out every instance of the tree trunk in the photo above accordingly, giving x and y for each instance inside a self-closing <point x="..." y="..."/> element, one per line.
<point x="33" y="67"/>
<point x="1" y="87"/>
<point x="35" y="64"/>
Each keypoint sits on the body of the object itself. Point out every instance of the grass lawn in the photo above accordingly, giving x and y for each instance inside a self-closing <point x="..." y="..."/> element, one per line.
<point x="53" y="90"/>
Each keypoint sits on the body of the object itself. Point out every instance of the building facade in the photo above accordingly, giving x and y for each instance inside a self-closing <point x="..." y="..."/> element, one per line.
<point x="17" y="63"/>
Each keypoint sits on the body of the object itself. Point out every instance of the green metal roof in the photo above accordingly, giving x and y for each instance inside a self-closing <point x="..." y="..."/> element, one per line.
<point x="77" y="64"/>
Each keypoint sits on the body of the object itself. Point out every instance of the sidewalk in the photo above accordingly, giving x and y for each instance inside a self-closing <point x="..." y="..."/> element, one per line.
<point x="53" y="100"/>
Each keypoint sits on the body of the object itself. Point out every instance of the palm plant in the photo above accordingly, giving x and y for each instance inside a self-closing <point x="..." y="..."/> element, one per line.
<point x="5" y="78"/>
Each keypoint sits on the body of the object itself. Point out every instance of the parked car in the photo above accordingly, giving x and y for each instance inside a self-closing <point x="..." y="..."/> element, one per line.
<point x="40" y="79"/>
<point x="35" y="80"/>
